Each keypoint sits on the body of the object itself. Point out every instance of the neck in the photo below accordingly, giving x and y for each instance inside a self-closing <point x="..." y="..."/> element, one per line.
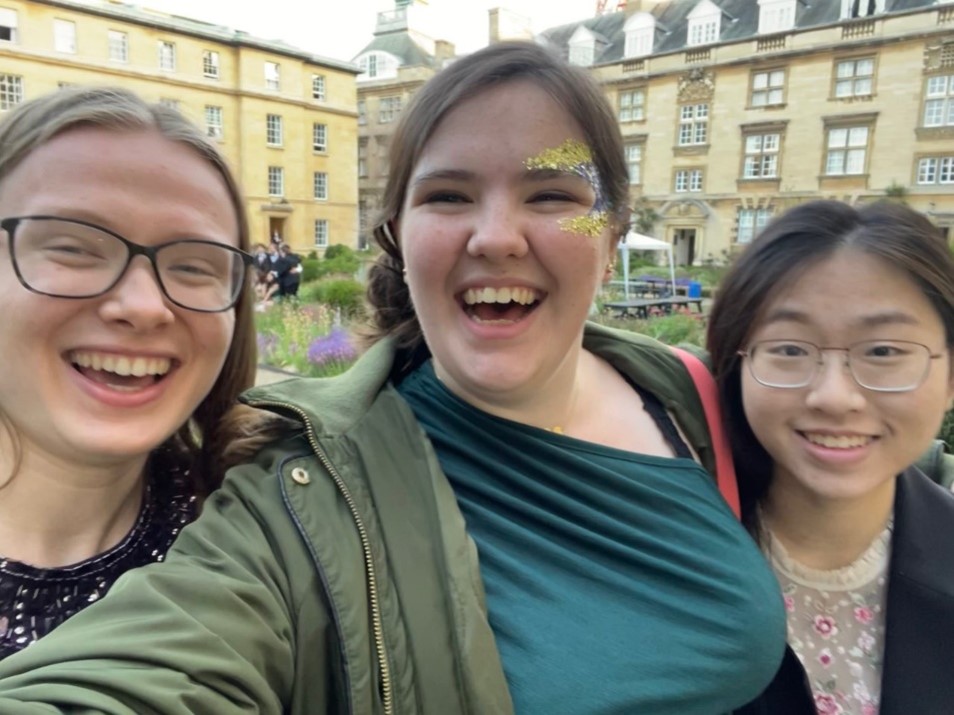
<point x="825" y="533"/>
<point x="57" y="513"/>
<point x="556" y="405"/>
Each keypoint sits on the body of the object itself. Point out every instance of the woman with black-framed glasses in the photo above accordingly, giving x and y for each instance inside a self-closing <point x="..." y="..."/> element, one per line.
<point x="126" y="335"/>
<point x="831" y="343"/>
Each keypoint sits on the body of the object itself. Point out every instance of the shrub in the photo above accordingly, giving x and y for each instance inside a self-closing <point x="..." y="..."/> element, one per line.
<point x="310" y="269"/>
<point x="303" y="339"/>
<point x="346" y="294"/>
<point x="947" y="429"/>
<point x="337" y="249"/>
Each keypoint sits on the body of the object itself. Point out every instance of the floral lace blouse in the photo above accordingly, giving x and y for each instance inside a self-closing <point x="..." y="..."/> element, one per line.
<point x="836" y="625"/>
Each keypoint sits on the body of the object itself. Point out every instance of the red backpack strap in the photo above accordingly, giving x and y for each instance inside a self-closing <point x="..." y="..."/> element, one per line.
<point x="706" y="387"/>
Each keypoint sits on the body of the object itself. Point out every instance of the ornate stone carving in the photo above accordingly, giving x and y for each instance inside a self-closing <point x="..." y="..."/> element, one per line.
<point x="696" y="85"/>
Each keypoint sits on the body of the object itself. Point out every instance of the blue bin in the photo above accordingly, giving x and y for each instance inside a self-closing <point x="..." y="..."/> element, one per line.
<point x="695" y="289"/>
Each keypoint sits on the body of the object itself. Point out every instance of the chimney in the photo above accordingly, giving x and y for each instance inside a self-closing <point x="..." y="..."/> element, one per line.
<point x="634" y="6"/>
<point x="443" y="51"/>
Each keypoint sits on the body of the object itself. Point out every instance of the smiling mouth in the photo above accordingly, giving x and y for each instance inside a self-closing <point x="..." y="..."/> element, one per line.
<point x="838" y="441"/>
<point x="120" y="372"/>
<point x="500" y="305"/>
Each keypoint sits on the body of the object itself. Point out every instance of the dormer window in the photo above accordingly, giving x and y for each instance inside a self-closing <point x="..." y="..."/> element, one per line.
<point x="582" y="47"/>
<point x="640" y="30"/>
<point x="776" y="16"/>
<point x="860" y="8"/>
<point x="377" y="65"/>
<point x="704" y="23"/>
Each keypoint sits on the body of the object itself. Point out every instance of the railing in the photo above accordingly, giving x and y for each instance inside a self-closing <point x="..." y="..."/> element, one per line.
<point x="634" y="65"/>
<point x="857" y="28"/>
<point x="693" y="56"/>
<point x="768" y="44"/>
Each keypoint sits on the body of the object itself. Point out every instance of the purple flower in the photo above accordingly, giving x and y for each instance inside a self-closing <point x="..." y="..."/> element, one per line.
<point x="333" y="347"/>
<point x="266" y="344"/>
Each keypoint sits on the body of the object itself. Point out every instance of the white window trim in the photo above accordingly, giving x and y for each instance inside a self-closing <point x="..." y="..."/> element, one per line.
<point x="320" y="185"/>
<point x="167" y="56"/>
<point x="10" y="20"/>
<point x="64" y="36"/>
<point x="118" y="40"/>
<point x="321" y="236"/>
<point x="276" y="181"/>
<point x="214" y="122"/>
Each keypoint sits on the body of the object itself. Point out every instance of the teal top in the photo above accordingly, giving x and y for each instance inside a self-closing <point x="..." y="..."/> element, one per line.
<point x="611" y="577"/>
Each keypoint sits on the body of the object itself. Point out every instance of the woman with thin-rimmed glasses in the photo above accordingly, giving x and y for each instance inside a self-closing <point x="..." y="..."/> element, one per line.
<point x="831" y="342"/>
<point x="126" y="334"/>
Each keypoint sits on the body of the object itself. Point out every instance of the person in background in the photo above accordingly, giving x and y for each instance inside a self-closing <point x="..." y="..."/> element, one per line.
<point x="126" y="337"/>
<point x="831" y="343"/>
<point x="289" y="272"/>
<point x="262" y="265"/>
<point x="498" y="509"/>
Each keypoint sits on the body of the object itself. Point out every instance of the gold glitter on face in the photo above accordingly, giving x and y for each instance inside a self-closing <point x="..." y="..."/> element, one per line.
<point x="569" y="156"/>
<point x="575" y="157"/>
<point x="591" y="225"/>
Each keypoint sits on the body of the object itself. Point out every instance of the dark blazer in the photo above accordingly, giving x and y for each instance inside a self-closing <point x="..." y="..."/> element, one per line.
<point x="918" y="672"/>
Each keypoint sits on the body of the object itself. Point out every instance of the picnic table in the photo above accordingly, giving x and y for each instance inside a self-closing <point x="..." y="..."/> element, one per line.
<point x="641" y="307"/>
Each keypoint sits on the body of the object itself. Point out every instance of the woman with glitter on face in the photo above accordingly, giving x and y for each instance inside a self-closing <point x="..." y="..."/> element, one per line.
<point x="498" y="509"/>
<point x="118" y="363"/>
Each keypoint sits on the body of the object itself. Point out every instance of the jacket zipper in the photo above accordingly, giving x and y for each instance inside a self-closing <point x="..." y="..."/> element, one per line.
<point x="387" y="695"/>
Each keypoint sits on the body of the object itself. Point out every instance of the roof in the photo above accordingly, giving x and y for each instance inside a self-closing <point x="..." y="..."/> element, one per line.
<point x="402" y="46"/>
<point x="740" y="20"/>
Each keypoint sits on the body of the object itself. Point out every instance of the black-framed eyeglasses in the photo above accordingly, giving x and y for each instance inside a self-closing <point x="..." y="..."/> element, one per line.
<point x="69" y="258"/>
<point x="879" y="365"/>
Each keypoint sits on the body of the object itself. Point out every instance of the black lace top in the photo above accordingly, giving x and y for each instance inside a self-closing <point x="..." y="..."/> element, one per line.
<point x="34" y="601"/>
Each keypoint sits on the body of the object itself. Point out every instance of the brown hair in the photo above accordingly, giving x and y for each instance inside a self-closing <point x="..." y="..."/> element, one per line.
<point x="573" y="89"/>
<point x="790" y="245"/>
<point x="32" y="124"/>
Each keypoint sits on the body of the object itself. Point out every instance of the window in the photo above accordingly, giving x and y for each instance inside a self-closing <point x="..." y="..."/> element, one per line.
<point x="118" y="46"/>
<point x="768" y="88"/>
<point x="632" y="105"/>
<point x="273" y="76"/>
<point x="318" y="87"/>
<point x="693" y="124"/>
<point x="276" y="181"/>
<point x="751" y="223"/>
<point x="847" y="151"/>
<point x="582" y="46"/>
<point x="688" y="180"/>
<point x="273" y="130"/>
<point x="776" y="16"/>
<point x="8" y="25"/>
<point x="213" y="122"/>
<point x="939" y="101"/>
<point x="639" y="30"/>
<point x="704" y="23"/>
<point x="936" y="170"/>
<point x="321" y="186"/>
<point x="860" y="8"/>
<point x="377" y="65"/>
<point x="210" y="64"/>
<point x="167" y="56"/>
<point x="362" y="158"/>
<point x="634" y="160"/>
<point x="761" y="156"/>
<point x="64" y="36"/>
<point x="388" y="109"/>
<point x="169" y="102"/>
<point x="362" y="112"/>
<point x="854" y="78"/>
<point x="11" y="91"/>
<point x="321" y="232"/>
<point x="319" y="137"/>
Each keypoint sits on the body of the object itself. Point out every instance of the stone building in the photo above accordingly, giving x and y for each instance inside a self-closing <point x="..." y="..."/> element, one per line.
<point x="734" y="110"/>
<point x="285" y="118"/>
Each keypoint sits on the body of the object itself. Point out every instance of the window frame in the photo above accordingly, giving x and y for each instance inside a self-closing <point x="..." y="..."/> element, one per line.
<point x="942" y="173"/>
<point x="117" y="40"/>
<point x="64" y="36"/>
<point x="274" y="130"/>
<point x="273" y="75"/>
<point x="389" y="108"/>
<point x="760" y="154"/>
<point x="944" y="100"/>
<point x="13" y="30"/>
<point x="627" y="108"/>
<point x="318" y="87"/>
<point x="276" y="182"/>
<point x="320" y="185"/>
<point x="693" y="125"/>
<point x="167" y="55"/>
<point x="769" y="89"/>
<point x="637" y="148"/>
<point x="321" y="236"/>
<point x="214" y="121"/>
<point x="846" y="149"/>
<point x="11" y="91"/>
<point x="319" y="129"/>
<point x="691" y="179"/>
<point x="760" y="218"/>
<point x="211" y="67"/>
<point x="854" y="77"/>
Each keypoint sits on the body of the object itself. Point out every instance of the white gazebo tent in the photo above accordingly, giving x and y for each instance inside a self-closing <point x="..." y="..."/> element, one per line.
<point x="638" y="242"/>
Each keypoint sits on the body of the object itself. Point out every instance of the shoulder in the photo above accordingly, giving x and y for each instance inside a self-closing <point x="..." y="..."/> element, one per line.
<point x="923" y="546"/>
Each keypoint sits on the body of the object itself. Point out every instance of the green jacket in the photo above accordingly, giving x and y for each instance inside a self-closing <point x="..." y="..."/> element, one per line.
<point x="333" y="574"/>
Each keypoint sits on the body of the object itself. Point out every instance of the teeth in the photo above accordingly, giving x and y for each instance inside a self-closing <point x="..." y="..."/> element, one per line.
<point x="838" y="442"/>
<point x="120" y="364"/>
<point x="514" y="294"/>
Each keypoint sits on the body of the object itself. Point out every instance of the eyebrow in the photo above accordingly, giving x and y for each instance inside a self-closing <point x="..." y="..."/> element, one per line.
<point x="543" y="174"/>
<point x="875" y="320"/>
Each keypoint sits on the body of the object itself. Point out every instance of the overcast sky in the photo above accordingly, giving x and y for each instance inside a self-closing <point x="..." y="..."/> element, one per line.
<point x="341" y="28"/>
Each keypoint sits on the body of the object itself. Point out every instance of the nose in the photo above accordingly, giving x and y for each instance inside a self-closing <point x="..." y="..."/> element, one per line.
<point x="137" y="300"/>
<point x="498" y="232"/>
<point x="833" y="388"/>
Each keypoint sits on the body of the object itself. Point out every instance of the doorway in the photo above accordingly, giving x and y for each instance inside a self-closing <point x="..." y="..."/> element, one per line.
<point x="276" y="229"/>
<point x="684" y="246"/>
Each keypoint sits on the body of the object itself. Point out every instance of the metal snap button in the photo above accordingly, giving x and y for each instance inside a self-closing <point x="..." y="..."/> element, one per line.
<point x="300" y="476"/>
